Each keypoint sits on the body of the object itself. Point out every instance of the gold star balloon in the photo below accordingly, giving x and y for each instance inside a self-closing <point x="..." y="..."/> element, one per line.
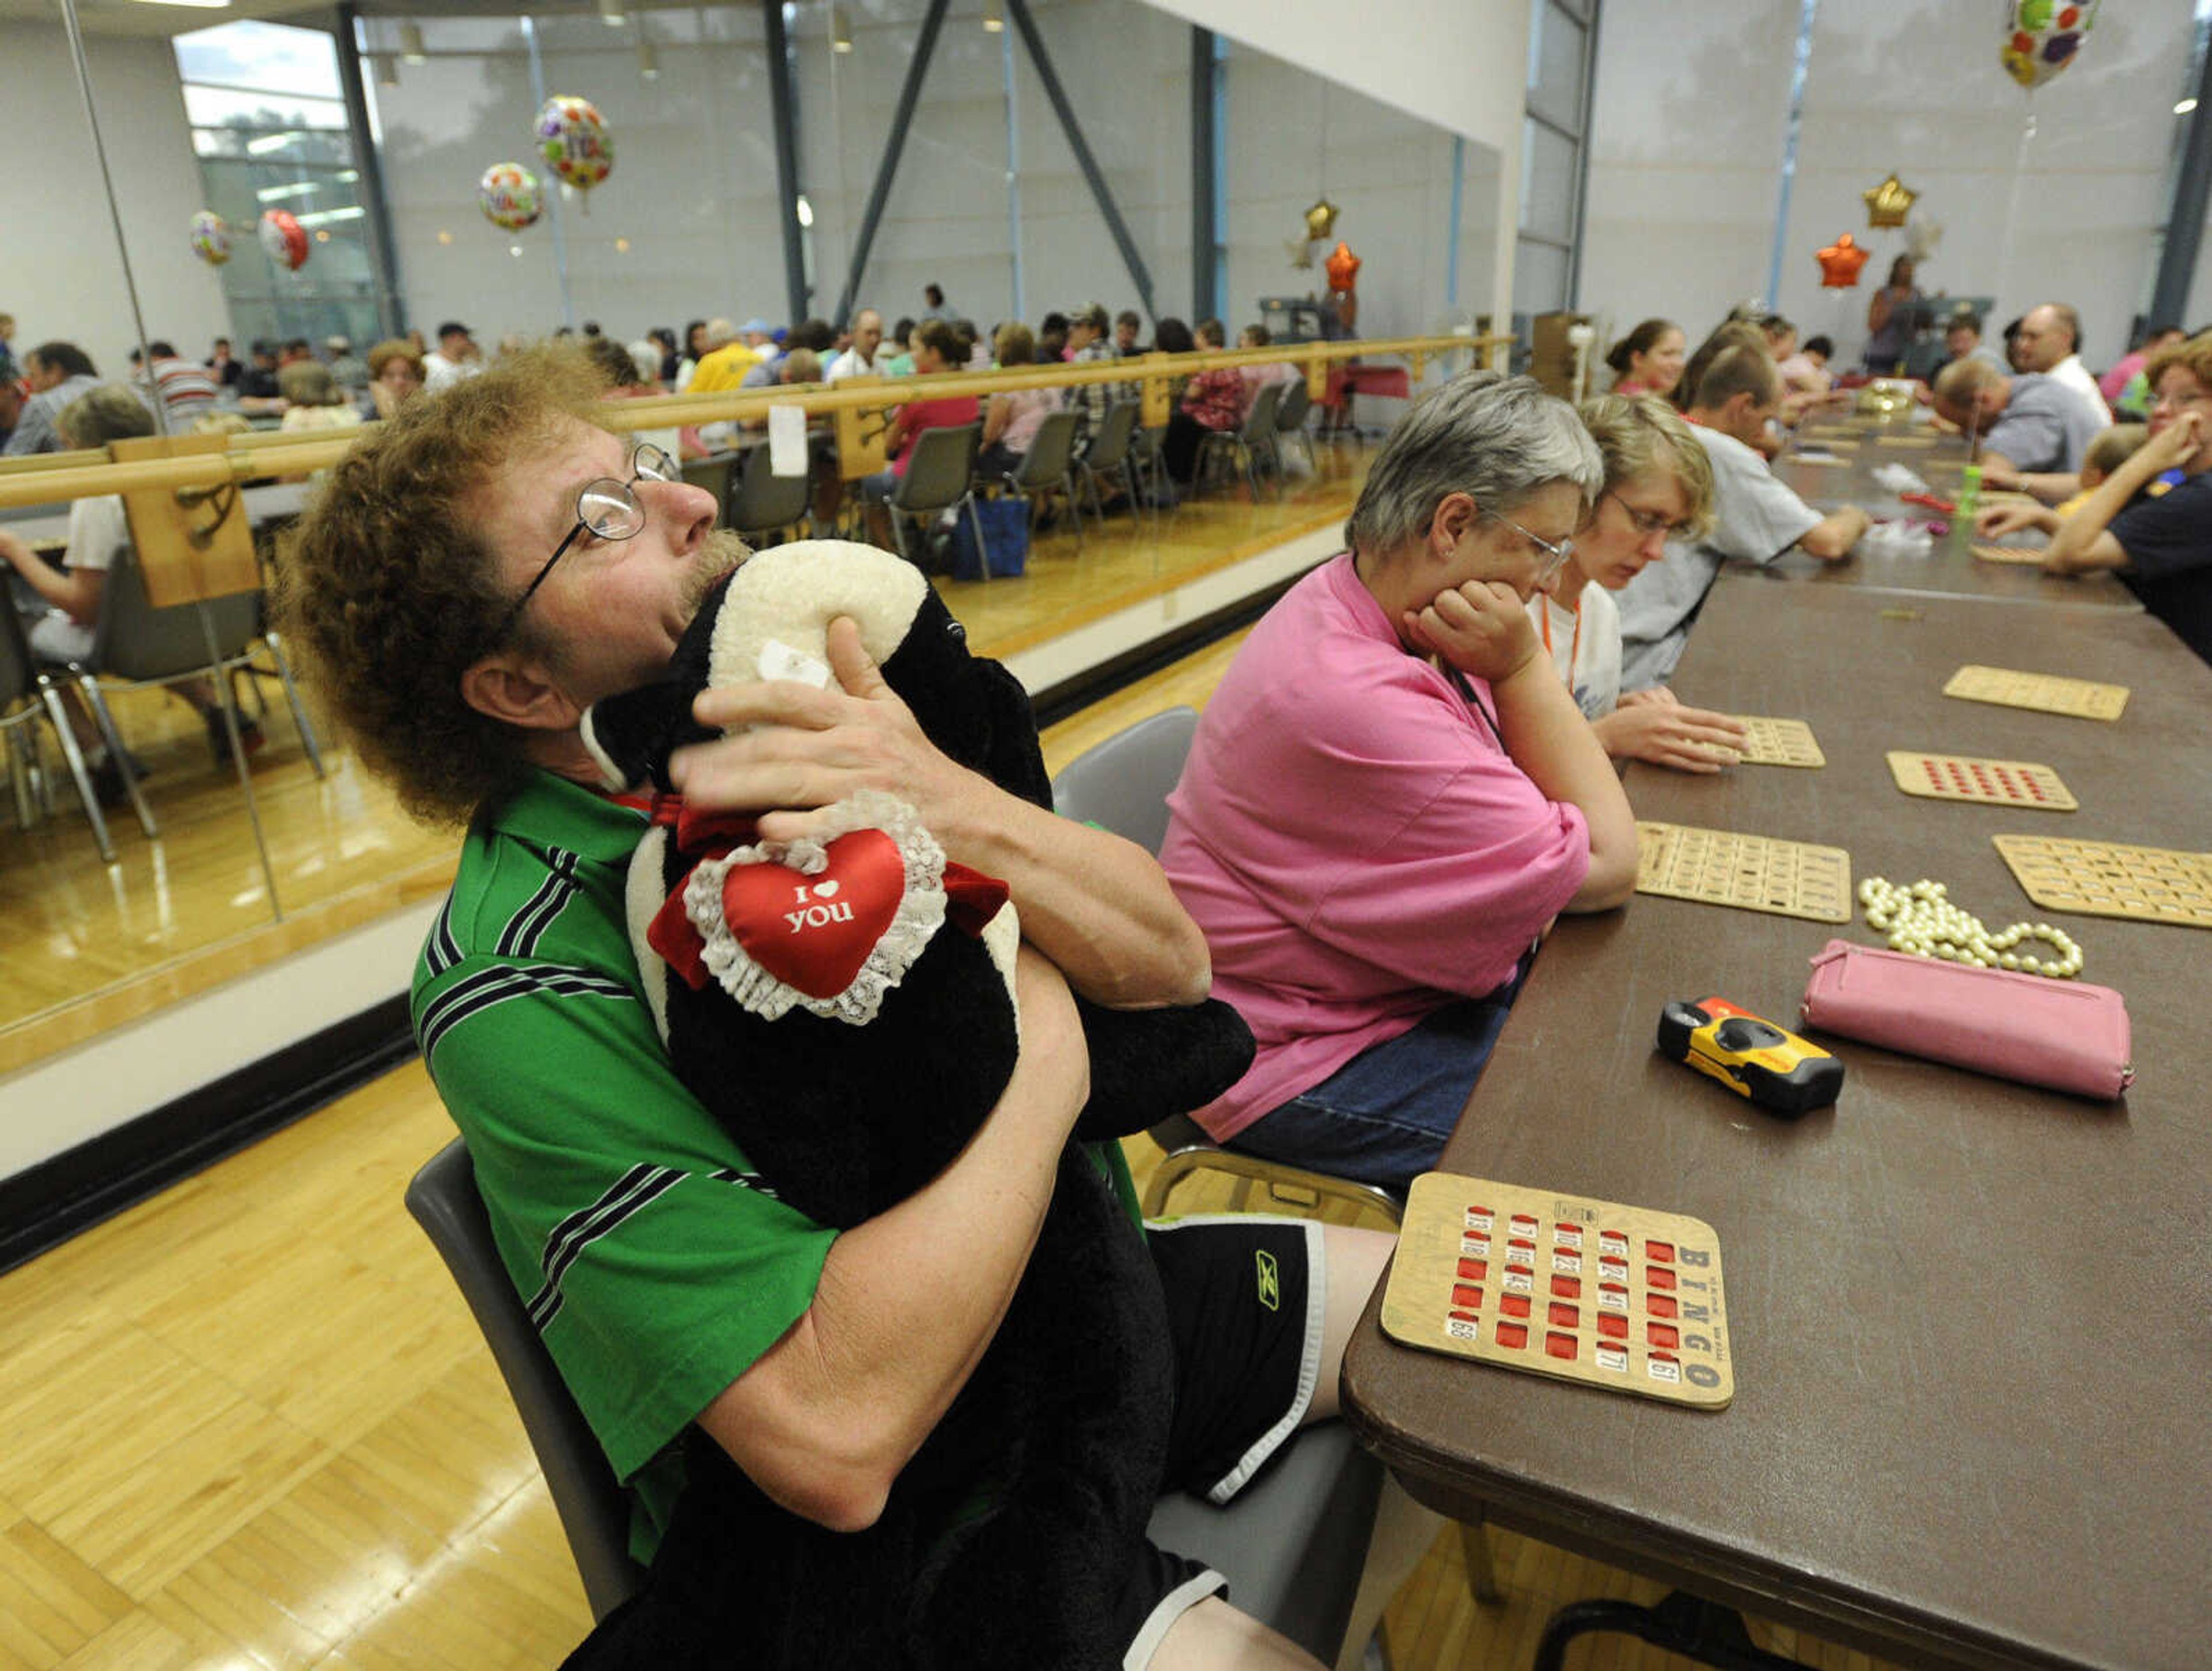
<point x="1320" y="219"/>
<point x="1889" y="203"/>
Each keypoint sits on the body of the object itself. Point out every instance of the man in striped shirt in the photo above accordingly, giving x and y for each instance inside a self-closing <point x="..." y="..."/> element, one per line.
<point x="473" y="577"/>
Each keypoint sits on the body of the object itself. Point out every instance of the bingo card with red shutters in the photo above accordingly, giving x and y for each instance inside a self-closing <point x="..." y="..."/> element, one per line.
<point x="1616" y="1297"/>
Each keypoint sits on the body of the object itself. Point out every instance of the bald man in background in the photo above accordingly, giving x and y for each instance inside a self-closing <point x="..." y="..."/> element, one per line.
<point x="2050" y="343"/>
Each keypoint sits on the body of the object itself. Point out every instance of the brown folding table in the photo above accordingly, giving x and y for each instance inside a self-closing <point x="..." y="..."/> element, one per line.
<point x="1972" y="1321"/>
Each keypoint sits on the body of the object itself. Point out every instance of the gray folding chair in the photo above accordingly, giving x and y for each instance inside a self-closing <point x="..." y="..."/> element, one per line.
<point x="23" y="681"/>
<point x="594" y="1508"/>
<point x="1048" y="464"/>
<point x="1294" y="1545"/>
<point x="1290" y="420"/>
<point x="139" y="643"/>
<point x="939" y="477"/>
<point x="712" y="472"/>
<point x="1248" y="442"/>
<point x="1121" y="784"/>
<point x="1112" y="452"/>
<point x="763" y="503"/>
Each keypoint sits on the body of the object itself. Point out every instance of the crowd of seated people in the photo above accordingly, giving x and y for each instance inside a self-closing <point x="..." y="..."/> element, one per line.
<point x="1520" y="579"/>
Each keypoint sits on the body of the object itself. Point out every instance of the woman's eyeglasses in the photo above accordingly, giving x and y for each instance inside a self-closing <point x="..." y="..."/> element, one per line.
<point x="1555" y="557"/>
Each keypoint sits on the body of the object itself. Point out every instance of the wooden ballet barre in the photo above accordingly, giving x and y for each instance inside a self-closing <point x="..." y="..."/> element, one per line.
<point x="54" y="478"/>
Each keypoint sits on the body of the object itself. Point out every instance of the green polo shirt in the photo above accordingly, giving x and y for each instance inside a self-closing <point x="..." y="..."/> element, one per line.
<point x="656" y="1263"/>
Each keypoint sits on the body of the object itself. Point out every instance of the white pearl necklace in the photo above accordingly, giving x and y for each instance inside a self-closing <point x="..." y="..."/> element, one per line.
<point x="1919" y="920"/>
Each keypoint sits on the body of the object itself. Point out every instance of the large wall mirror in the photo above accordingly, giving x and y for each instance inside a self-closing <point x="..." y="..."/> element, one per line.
<point x="204" y="112"/>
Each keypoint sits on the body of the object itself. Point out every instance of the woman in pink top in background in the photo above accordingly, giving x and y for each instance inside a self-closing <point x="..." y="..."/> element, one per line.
<point x="1392" y="794"/>
<point x="1648" y="359"/>
<point x="1011" y="420"/>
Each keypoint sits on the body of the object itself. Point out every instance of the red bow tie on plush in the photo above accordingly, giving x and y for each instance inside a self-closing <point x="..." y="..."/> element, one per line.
<point x="812" y="932"/>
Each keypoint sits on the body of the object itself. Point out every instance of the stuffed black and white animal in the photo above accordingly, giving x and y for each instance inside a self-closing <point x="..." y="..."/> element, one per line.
<point x="845" y="1008"/>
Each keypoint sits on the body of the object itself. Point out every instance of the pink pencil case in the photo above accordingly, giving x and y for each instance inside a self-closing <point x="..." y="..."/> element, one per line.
<point x="2064" y="1034"/>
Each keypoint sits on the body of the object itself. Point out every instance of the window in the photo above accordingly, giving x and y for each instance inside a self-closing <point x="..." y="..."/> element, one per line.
<point x="269" y="127"/>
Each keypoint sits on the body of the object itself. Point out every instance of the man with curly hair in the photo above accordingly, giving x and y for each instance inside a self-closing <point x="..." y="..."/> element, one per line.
<point x="479" y="572"/>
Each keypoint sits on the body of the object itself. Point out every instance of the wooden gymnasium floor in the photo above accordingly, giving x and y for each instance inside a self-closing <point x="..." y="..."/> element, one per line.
<point x="250" y="1423"/>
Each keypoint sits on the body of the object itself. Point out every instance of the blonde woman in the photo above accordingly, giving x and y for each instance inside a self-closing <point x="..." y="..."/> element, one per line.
<point x="1657" y="484"/>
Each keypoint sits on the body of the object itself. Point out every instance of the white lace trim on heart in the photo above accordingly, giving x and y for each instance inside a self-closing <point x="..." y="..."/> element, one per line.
<point x="920" y="912"/>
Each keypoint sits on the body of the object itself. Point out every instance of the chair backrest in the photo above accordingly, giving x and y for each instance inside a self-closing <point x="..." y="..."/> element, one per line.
<point x="1110" y="445"/>
<point x="594" y="1508"/>
<point x="938" y="471"/>
<point x="764" y="501"/>
<point x="1053" y="446"/>
<point x="19" y="675"/>
<point x="1293" y="406"/>
<point x="1121" y="784"/>
<point x="137" y="639"/>
<point x="1260" y="421"/>
<point x="712" y="473"/>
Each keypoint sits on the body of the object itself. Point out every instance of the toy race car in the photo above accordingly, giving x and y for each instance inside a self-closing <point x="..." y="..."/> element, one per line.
<point x="1778" y="1071"/>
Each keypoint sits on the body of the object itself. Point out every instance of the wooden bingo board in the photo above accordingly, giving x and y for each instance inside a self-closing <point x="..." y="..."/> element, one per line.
<point x="1614" y="1296"/>
<point x="2105" y="879"/>
<point x="2079" y="698"/>
<point x="1779" y="743"/>
<point x="1753" y="873"/>
<point x="1966" y="777"/>
<point x="2026" y="557"/>
<point x="1905" y="441"/>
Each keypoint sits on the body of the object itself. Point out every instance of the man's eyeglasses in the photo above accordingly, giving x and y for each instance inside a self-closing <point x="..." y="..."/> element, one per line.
<point x="1555" y="557"/>
<point x="608" y="508"/>
<point x="1645" y="522"/>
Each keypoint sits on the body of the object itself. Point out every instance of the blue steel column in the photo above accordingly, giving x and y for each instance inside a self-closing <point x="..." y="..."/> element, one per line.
<point x="783" y="107"/>
<point x="1205" y="178"/>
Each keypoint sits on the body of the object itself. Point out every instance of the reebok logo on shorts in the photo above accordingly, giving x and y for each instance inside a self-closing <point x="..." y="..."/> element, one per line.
<point x="1271" y="1279"/>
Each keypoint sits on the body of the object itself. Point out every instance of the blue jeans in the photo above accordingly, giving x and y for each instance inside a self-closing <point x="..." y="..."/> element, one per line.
<point x="1383" y="1116"/>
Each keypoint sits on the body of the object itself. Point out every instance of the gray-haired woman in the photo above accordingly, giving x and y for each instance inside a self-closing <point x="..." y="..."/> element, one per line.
<point x="1392" y="794"/>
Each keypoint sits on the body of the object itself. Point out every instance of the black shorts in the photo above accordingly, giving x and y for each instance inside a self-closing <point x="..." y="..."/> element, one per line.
<point x="1245" y="1297"/>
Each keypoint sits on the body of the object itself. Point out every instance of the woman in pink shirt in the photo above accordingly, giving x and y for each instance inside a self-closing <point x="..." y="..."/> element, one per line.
<point x="1212" y="401"/>
<point x="1392" y="794"/>
<point x="1011" y="420"/>
<point x="938" y="349"/>
<point x="1648" y="359"/>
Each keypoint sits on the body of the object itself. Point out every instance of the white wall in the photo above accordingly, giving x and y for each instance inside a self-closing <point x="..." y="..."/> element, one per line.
<point x="1460" y="64"/>
<point x="692" y="193"/>
<point x="1290" y="138"/>
<point x="1687" y="154"/>
<point x="1685" y="159"/>
<point x="693" y="189"/>
<point x="2068" y="217"/>
<point x="63" y="277"/>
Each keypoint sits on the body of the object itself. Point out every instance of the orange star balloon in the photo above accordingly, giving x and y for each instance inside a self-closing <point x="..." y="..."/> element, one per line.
<point x="1342" y="267"/>
<point x="1840" y="263"/>
<point x="1889" y="203"/>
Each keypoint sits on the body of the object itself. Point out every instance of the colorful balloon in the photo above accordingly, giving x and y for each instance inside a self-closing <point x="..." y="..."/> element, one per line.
<point x="574" y="138"/>
<point x="1342" y="267"/>
<point x="1840" y="263"/>
<point x="2041" y="37"/>
<point x="1320" y="219"/>
<point x="1889" y="203"/>
<point x="284" y="239"/>
<point x="210" y="238"/>
<point x="509" y="197"/>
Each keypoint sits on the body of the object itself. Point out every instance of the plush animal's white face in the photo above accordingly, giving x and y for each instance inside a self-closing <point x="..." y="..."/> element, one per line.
<point x="775" y="620"/>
